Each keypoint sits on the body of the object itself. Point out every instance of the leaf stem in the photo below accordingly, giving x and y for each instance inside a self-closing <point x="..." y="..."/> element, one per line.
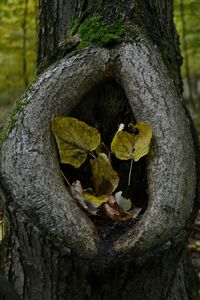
<point x="65" y="178"/>
<point x="130" y="172"/>
<point x="92" y="154"/>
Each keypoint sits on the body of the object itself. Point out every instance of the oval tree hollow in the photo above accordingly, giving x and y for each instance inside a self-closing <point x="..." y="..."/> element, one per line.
<point x="105" y="107"/>
<point x="30" y="171"/>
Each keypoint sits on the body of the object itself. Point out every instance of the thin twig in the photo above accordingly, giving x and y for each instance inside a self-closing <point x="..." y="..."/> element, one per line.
<point x="130" y="172"/>
<point x="65" y="178"/>
<point x="92" y="154"/>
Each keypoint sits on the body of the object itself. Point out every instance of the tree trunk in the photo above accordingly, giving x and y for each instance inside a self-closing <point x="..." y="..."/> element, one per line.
<point x="186" y="56"/>
<point x="24" y="46"/>
<point x="54" y="251"/>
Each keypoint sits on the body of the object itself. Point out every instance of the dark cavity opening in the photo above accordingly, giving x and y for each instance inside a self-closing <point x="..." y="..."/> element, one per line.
<point x="105" y="107"/>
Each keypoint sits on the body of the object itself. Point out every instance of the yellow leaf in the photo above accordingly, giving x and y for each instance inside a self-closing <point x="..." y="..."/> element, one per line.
<point x="75" y="140"/>
<point x="143" y="142"/>
<point x="123" y="145"/>
<point x="105" y="179"/>
<point x="127" y="145"/>
<point x="98" y="200"/>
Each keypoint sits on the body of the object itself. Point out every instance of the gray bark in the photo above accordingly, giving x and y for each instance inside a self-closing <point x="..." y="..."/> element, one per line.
<point x="54" y="17"/>
<point x="154" y="17"/>
<point x="153" y="99"/>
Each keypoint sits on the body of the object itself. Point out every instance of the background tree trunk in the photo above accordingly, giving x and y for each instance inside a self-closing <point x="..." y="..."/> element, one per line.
<point x="187" y="64"/>
<point x="42" y="268"/>
<point x="24" y="47"/>
<point x="156" y="18"/>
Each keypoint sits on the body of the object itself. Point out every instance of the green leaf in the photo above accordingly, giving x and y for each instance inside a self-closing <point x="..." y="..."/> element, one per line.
<point x="127" y="145"/>
<point x="98" y="200"/>
<point x="75" y="140"/>
<point x="105" y="179"/>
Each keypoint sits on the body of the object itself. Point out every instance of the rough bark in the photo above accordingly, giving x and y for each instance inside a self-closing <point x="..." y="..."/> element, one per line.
<point x="54" y="17"/>
<point x="155" y="17"/>
<point x="32" y="191"/>
<point x="54" y="250"/>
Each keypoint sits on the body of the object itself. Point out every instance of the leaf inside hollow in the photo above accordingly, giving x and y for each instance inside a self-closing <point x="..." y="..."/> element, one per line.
<point x="123" y="145"/>
<point x="124" y="203"/>
<point x="97" y="200"/>
<point x="111" y="213"/>
<point x="105" y="179"/>
<point x="127" y="145"/>
<point x="77" y="192"/>
<point x="75" y="140"/>
<point x="143" y="142"/>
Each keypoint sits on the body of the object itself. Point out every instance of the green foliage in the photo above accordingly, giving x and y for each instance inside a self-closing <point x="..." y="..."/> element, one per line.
<point x="94" y="31"/>
<point x="11" y="48"/>
<point x="73" y="27"/>
<point x="14" y="118"/>
<point x="192" y="34"/>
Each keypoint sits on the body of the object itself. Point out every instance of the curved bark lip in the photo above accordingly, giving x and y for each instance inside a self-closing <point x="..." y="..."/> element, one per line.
<point x="153" y="99"/>
<point x="29" y="163"/>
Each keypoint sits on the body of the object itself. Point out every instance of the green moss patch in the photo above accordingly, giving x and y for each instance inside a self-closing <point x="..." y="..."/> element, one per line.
<point x="14" y="118"/>
<point x="94" y="31"/>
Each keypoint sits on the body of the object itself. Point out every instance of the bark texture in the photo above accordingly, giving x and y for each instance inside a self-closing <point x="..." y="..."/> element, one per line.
<point x="54" y="17"/>
<point x="155" y="17"/>
<point x="54" y="250"/>
<point x="38" y="193"/>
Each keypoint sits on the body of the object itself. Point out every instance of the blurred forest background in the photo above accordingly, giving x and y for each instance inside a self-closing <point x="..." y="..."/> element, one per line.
<point x="18" y="48"/>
